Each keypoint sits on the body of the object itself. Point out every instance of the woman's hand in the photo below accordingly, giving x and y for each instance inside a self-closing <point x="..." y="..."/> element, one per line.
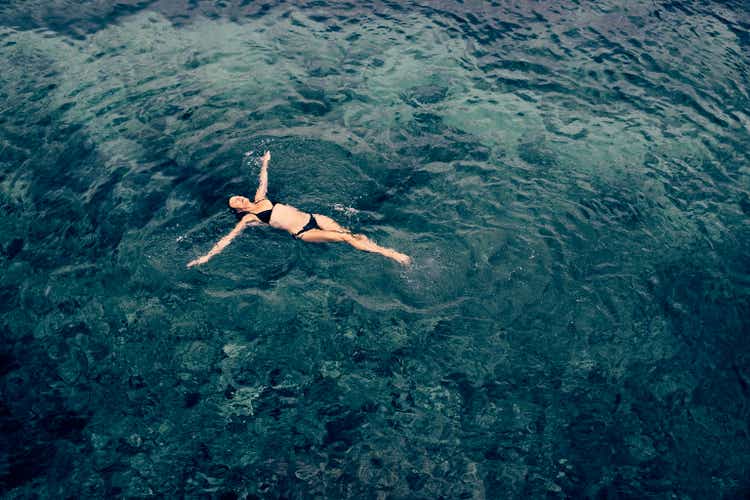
<point x="198" y="261"/>
<point x="266" y="157"/>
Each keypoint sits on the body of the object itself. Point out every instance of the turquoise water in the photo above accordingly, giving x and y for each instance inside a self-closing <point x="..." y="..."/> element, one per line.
<point x="571" y="180"/>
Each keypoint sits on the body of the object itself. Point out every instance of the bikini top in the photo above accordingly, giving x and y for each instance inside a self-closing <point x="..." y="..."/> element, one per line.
<point x="264" y="216"/>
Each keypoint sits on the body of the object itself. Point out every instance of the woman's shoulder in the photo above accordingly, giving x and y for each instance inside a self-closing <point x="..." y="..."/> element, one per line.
<point x="264" y="204"/>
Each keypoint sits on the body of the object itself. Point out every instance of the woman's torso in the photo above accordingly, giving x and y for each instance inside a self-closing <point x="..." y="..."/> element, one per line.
<point x="279" y="216"/>
<point x="288" y="218"/>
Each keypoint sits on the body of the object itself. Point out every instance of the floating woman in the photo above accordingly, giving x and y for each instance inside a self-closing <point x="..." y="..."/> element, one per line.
<point x="309" y="227"/>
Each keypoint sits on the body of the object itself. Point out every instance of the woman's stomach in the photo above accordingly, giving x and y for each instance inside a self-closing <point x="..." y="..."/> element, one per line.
<point x="288" y="218"/>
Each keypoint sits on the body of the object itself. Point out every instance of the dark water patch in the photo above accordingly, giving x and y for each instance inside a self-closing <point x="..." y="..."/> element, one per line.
<point x="623" y="209"/>
<point x="32" y="443"/>
<point x="451" y="151"/>
<point x="744" y="203"/>
<point x="312" y="107"/>
<point x="26" y="464"/>
<point x="692" y="286"/>
<point x="534" y="151"/>
<point x="434" y="141"/>
<point x="13" y="248"/>
<point x="427" y="94"/>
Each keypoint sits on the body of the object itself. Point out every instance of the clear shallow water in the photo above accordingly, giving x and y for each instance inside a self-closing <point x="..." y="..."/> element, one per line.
<point x="573" y="185"/>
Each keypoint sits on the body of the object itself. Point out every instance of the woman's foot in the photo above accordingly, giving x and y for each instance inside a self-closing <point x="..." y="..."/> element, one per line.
<point x="399" y="257"/>
<point x="362" y="242"/>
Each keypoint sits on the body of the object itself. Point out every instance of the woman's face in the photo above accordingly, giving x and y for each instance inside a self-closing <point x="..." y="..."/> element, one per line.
<point x="239" y="203"/>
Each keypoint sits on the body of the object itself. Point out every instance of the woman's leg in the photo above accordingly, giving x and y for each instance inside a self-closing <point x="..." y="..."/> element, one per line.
<point x="358" y="241"/>
<point x="328" y="224"/>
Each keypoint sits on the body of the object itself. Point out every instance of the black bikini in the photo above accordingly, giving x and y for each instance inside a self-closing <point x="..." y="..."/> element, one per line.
<point x="265" y="216"/>
<point x="311" y="224"/>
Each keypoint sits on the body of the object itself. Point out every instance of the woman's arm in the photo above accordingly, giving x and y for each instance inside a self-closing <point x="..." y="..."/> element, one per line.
<point x="260" y="194"/>
<point x="226" y="240"/>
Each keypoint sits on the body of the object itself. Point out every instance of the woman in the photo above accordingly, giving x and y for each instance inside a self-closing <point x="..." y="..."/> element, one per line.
<point x="313" y="228"/>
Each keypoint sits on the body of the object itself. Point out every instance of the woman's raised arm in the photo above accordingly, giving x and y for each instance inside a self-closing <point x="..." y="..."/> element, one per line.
<point x="260" y="194"/>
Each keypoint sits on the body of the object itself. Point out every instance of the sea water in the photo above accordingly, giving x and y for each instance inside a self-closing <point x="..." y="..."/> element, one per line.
<point x="571" y="180"/>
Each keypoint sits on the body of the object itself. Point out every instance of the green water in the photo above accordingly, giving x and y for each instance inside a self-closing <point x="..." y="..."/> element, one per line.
<point x="571" y="181"/>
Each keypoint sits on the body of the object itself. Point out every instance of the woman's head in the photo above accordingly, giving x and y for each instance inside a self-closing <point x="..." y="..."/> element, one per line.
<point x="239" y="203"/>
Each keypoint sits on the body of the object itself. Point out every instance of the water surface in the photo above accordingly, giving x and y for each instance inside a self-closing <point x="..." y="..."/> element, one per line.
<point x="572" y="182"/>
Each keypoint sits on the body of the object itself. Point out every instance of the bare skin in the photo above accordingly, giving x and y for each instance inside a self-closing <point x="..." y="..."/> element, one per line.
<point x="292" y="220"/>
